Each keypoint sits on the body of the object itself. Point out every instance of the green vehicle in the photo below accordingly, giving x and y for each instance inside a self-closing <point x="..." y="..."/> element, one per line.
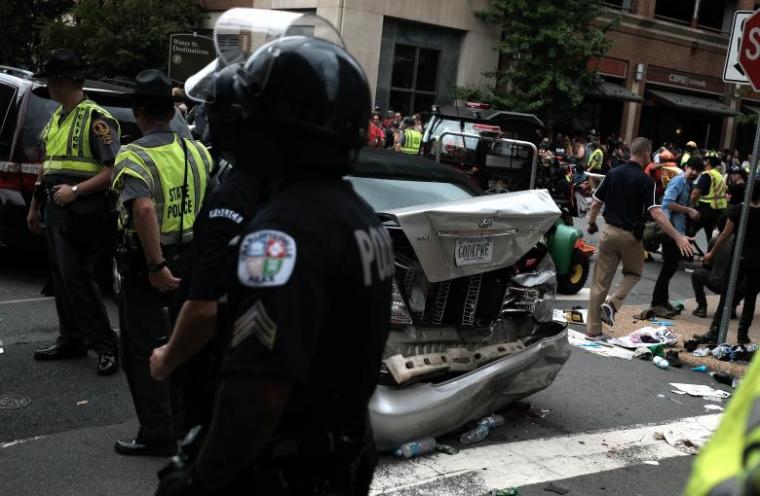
<point x="504" y="165"/>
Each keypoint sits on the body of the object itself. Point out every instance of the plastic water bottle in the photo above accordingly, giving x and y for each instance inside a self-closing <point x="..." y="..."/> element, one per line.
<point x="660" y="363"/>
<point x="476" y="435"/>
<point x="492" y="421"/>
<point x="416" y="448"/>
<point x="701" y="368"/>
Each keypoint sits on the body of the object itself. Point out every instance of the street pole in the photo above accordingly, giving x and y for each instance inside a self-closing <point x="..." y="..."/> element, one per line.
<point x="739" y="243"/>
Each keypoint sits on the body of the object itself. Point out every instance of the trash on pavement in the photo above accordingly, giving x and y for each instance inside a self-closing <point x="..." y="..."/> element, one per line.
<point x="537" y="412"/>
<point x="660" y="363"/>
<point x="721" y="351"/>
<point x="510" y="491"/>
<point x="647" y="336"/>
<point x="554" y="488"/>
<point x="689" y="440"/>
<point x="701" y="390"/>
<point x="420" y="447"/>
<point x="722" y="378"/>
<point x="691" y="345"/>
<point x="574" y="316"/>
<point x="662" y="323"/>
<point x="1" y="347"/>
<point x="482" y="429"/>
<point x="644" y="353"/>
<point x="673" y="358"/>
<point x="445" y="448"/>
<point x="579" y="340"/>
<point x="701" y="352"/>
<point x="651" y="462"/>
<point x="700" y="368"/>
<point x="82" y="402"/>
<point x="713" y="408"/>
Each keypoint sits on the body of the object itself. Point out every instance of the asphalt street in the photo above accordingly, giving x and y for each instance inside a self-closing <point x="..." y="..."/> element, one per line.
<point x="59" y="439"/>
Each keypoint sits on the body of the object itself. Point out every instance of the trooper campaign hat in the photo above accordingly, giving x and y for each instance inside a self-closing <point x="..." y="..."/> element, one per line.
<point x="152" y="85"/>
<point x="62" y="64"/>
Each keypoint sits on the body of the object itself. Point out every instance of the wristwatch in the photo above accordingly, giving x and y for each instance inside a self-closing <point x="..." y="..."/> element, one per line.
<point x="75" y="189"/>
<point x="153" y="268"/>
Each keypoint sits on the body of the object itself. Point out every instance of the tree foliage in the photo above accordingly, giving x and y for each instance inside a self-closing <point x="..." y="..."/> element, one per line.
<point x="21" y="26"/>
<point x="120" y="38"/>
<point x="544" y="54"/>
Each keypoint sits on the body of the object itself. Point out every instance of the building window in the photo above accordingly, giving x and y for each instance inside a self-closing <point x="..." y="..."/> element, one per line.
<point x="680" y="11"/>
<point x="711" y="15"/>
<point x="414" y="80"/>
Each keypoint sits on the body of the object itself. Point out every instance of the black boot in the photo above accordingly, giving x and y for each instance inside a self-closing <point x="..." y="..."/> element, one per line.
<point x="743" y="336"/>
<point x="707" y="338"/>
<point x="700" y="311"/>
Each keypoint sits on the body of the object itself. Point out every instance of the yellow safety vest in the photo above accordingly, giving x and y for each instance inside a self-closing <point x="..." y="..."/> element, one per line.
<point x="717" y="196"/>
<point x="595" y="160"/>
<point x="412" y="141"/>
<point x="67" y="143"/>
<point x="162" y="169"/>
<point x="721" y="465"/>
<point x="685" y="158"/>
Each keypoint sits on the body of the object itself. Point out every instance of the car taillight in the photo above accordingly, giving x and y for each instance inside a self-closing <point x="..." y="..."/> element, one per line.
<point x="18" y="176"/>
<point x="399" y="314"/>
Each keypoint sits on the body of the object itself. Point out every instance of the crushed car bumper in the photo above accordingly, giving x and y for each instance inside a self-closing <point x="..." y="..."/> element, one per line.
<point x="399" y="415"/>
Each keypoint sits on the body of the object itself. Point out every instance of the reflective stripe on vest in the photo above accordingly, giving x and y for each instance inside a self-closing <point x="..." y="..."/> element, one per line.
<point x="412" y="141"/>
<point x="717" y="196"/>
<point x="162" y="169"/>
<point x="595" y="160"/>
<point x="67" y="143"/>
<point x="685" y="158"/>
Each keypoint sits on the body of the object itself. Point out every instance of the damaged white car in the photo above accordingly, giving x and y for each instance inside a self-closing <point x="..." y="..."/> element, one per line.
<point x="473" y="297"/>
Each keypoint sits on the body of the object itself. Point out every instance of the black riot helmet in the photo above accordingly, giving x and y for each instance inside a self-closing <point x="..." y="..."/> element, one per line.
<point x="283" y="97"/>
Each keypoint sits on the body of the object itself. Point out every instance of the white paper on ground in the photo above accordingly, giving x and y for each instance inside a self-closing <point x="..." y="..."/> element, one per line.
<point x="701" y="390"/>
<point x="579" y="340"/>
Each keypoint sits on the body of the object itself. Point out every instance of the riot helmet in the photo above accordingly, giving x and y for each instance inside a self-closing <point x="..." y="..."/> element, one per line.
<point x="283" y="97"/>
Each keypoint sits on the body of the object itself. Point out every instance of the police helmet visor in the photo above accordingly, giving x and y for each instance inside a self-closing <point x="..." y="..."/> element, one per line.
<point x="240" y="32"/>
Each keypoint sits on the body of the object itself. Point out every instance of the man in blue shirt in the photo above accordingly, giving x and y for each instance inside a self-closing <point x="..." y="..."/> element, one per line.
<point x="675" y="205"/>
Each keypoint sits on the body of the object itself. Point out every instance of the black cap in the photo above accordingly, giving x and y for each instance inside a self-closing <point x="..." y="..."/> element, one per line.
<point x="62" y="63"/>
<point x="152" y="84"/>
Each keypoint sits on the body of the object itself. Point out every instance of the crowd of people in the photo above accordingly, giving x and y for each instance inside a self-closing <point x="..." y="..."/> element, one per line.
<point x="395" y="131"/>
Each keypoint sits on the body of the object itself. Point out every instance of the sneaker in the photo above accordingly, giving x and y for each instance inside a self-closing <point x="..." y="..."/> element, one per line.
<point x="700" y="312"/>
<point x="673" y="359"/>
<point x="108" y="363"/>
<point x="706" y="338"/>
<point x="662" y="312"/>
<point x="608" y="314"/>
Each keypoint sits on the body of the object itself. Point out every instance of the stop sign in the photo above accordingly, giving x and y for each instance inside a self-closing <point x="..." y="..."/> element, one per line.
<point x="749" y="50"/>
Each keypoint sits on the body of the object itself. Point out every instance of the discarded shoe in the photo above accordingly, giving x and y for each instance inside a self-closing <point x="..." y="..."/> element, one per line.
<point x="608" y="314"/>
<point x="663" y="312"/>
<point x="707" y="338"/>
<point x="645" y="315"/>
<point x="672" y="357"/>
<point x="690" y="345"/>
<point x="643" y="353"/>
<point x="700" y="312"/>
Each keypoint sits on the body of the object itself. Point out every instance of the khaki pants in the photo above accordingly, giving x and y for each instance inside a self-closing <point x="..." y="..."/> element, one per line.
<point x="615" y="245"/>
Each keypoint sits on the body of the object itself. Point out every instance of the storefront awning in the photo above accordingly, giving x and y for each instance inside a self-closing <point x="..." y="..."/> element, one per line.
<point x="692" y="103"/>
<point x="614" y="91"/>
<point x="751" y="109"/>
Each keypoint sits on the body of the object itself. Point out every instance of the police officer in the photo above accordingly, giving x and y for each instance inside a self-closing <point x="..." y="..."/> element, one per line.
<point x="160" y="180"/>
<point x="81" y="140"/>
<point x="710" y="196"/>
<point x="310" y="303"/>
<point x="409" y="138"/>
<point x="225" y="213"/>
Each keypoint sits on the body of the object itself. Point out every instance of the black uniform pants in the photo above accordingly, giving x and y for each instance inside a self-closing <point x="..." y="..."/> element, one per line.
<point x="708" y="219"/>
<point x="671" y="255"/>
<point x="75" y="238"/>
<point x="750" y="267"/>
<point x="144" y="319"/>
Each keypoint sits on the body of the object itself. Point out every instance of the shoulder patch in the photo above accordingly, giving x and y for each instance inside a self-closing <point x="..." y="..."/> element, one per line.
<point x="103" y="131"/>
<point x="266" y="259"/>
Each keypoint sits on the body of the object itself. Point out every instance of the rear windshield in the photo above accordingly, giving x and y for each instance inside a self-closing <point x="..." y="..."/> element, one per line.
<point x="41" y="109"/>
<point x="388" y="194"/>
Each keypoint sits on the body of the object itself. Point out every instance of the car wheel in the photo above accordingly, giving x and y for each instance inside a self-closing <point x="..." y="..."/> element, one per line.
<point x="575" y="278"/>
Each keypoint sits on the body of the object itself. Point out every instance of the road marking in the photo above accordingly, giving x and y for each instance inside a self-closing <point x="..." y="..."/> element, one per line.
<point x="27" y="300"/>
<point x="581" y="295"/>
<point x="536" y="461"/>
<point x="17" y="442"/>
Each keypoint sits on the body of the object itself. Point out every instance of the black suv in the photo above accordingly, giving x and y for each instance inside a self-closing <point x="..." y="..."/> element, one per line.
<point x="25" y="108"/>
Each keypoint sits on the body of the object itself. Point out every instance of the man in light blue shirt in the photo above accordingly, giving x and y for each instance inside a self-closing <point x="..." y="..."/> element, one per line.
<point x="675" y="205"/>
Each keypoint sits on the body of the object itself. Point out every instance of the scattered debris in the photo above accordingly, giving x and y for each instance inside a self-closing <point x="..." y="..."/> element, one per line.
<point x="722" y="378"/>
<point x="701" y="352"/>
<point x="445" y="448"/>
<point x="554" y="488"/>
<point x="691" y="345"/>
<point x="1" y="346"/>
<point x="10" y="402"/>
<point x="651" y="462"/>
<point x="579" y="340"/>
<point x="510" y="491"/>
<point x="537" y="413"/>
<point x="701" y="368"/>
<point x="660" y="363"/>
<point x="644" y="353"/>
<point x="701" y="390"/>
<point x="714" y="408"/>
<point x="673" y="358"/>
<point x="420" y="447"/>
<point x="647" y="336"/>
<point x="574" y="316"/>
<point x="83" y="402"/>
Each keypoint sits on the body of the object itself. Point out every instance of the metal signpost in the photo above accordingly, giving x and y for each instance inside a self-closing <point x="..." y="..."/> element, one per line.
<point x="749" y="60"/>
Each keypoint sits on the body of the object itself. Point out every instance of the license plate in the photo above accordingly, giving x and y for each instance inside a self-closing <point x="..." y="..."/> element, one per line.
<point x="471" y="251"/>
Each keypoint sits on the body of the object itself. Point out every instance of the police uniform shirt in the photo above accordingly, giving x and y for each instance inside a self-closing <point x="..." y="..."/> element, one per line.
<point x="105" y="142"/>
<point x="627" y="193"/>
<point x="311" y="300"/>
<point x="132" y="188"/>
<point x="225" y="213"/>
<point x="704" y="183"/>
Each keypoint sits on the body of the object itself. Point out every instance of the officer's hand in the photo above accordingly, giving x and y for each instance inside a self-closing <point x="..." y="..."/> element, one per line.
<point x="693" y="214"/>
<point x="63" y="194"/>
<point x="592" y="228"/>
<point x="34" y="220"/>
<point x="684" y="244"/>
<point x="163" y="280"/>
<point x="160" y="369"/>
